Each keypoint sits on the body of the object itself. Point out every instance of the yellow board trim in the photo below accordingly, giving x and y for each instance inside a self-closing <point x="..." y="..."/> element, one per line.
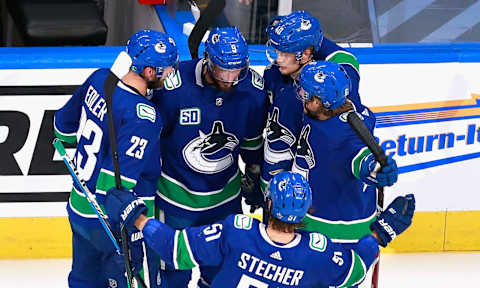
<point x="46" y="237"/>
<point x="50" y="237"/>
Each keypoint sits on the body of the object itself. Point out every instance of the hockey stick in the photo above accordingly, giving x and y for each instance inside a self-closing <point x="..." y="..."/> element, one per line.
<point x="92" y="200"/>
<point x="367" y="138"/>
<point x="214" y="8"/>
<point x="119" y="68"/>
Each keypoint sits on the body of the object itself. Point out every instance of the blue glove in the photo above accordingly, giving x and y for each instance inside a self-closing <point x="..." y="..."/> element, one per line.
<point x="124" y="208"/>
<point x="136" y="250"/>
<point x="370" y="174"/>
<point x="395" y="219"/>
<point x="251" y="189"/>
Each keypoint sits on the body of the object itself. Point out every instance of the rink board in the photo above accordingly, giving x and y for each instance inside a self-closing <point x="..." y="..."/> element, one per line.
<point x="50" y="237"/>
<point x="428" y="115"/>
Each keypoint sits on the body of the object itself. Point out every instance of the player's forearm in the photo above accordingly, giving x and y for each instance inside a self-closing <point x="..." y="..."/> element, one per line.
<point x="141" y="222"/>
<point x="367" y="248"/>
<point x="157" y="236"/>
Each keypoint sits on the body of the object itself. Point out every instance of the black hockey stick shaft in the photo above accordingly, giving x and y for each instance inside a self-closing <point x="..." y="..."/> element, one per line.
<point x="214" y="8"/>
<point x="109" y="87"/>
<point x="367" y="138"/>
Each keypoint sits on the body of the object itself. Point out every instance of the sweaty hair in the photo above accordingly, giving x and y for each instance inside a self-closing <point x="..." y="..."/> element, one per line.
<point x="279" y="225"/>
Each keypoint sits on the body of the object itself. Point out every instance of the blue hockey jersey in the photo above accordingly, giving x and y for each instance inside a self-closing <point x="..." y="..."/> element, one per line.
<point x="205" y="131"/>
<point x="286" y="111"/>
<point x="329" y="154"/>
<point x="83" y="119"/>
<point x="249" y="258"/>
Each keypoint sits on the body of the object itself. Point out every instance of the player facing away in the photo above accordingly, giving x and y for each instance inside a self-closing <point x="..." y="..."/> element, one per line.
<point x="214" y="110"/>
<point x="294" y="41"/>
<point x="83" y="120"/>
<point x="340" y="169"/>
<point x="252" y="254"/>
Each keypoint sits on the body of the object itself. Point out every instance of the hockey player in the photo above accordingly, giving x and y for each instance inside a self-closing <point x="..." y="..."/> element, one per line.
<point x="252" y="254"/>
<point x="214" y="110"/>
<point x="83" y="119"/>
<point x="294" y="41"/>
<point x="340" y="169"/>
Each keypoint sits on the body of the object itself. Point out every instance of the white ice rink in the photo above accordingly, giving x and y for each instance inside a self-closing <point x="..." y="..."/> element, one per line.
<point x="439" y="270"/>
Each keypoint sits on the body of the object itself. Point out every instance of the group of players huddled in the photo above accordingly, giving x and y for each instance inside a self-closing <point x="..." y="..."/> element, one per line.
<point x="181" y="128"/>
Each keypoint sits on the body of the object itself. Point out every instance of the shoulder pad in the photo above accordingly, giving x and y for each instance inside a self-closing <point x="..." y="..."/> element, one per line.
<point x="173" y="81"/>
<point x="257" y="79"/>
<point x="318" y="242"/>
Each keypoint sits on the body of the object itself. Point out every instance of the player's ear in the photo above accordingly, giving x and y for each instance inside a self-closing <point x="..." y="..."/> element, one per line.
<point x="307" y="55"/>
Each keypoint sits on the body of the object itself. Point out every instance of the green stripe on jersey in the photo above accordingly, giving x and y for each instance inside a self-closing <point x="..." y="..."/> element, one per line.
<point x="344" y="57"/>
<point x="357" y="161"/>
<point x="67" y="138"/>
<point x="106" y="180"/>
<point x="177" y="194"/>
<point x="81" y="206"/>
<point x="339" y="231"/>
<point x="252" y="144"/>
<point x="184" y="260"/>
<point x="357" y="272"/>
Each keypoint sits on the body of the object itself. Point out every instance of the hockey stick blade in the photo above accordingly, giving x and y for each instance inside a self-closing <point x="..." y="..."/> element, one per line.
<point x="89" y="195"/>
<point x="214" y="8"/>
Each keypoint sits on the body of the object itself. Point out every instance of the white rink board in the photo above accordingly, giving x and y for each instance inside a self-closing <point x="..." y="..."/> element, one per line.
<point x="451" y="186"/>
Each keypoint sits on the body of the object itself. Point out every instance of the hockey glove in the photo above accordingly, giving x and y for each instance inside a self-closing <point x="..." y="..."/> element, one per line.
<point x="395" y="219"/>
<point x="370" y="174"/>
<point x="124" y="208"/>
<point x="136" y="250"/>
<point x="251" y="187"/>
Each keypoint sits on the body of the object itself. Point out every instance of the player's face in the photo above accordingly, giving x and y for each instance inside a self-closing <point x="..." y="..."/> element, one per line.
<point x="310" y="106"/>
<point x="225" y="75"/>
<point x="287" y="62"/>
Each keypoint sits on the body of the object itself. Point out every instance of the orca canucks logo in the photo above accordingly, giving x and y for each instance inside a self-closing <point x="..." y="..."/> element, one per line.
<point x="305" y="152"/>
<point x="211" y="153"/>
<point x="277" y="132"/>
